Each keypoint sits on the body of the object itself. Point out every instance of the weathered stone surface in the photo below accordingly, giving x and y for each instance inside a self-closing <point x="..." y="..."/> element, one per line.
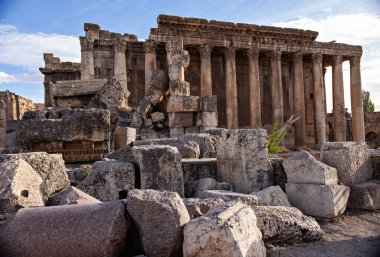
<point x="109" y="180"/>
<point x="77" y="175"/>
<point x="205" y="184"/>
<point x="154" y="96"/>
<point x="199" y="207"/>
<point x="303" y="168"/>
<point x="286" y="224"/>
<point x="177" y="132"/>
<point x="180" y="119"/>
<point x="243" y="159"/>
<point x="183" y="104"/>
<point x="72" y="195"/>
<point x="144" y="107"/>
<point x="160" y="167"/>
<point x="365" y="195"/>
<point x="272" y="196"/>
<point x="228" y="196"/>
<point x="159" y="80"/>
<point x="228" y="230"/>
<point x="114" y="93"/>
<point x="209" y="103"/>
<point x="157" y="116"/>
<point x="205" y="142"/>
<point x="83" y="230"/>
<point x="123" y="136"/>
<point x="50" y="167"/>
<point x="65" y="88"/>
<point x="137" y="120"/>
<point x="160" y="217"/>
<point x="179" y="56"/>
<point x="20" y="186"/>
<point x="351" y="160"/>
<point x="123" y="154"/>
<point x="209" y="119"/>
<point x="188" y="149"/>
<point x="180" y="88"/>
<point x="176" y="72"/>
<point x="325" y="201"/>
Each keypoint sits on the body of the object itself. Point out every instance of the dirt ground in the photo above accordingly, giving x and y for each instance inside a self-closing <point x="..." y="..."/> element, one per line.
<point x="355" y="234"/>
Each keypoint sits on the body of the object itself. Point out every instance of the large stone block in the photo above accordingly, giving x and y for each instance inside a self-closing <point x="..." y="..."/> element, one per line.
<point x="228" y="196"/>
<point x="177" y="132"/>
<point x="160" y="217"/>
<point x="176" y="72"/>
<point x="199" y="207"/>
<point x="243" y="159"/>
<point x="183" y="104"/>
<point x="179" y="57"/>
<point x="154" y="95"/>
<point x="303" y="168"/>
<point x="157" y="116"/>
<point x="109" y="180"/>
<point x="123" y="154"/>
<point x="180" y="119"/>
<point x="144" y="107"/>
<point x="205" y="142"/>
<point x="159" y="80"/>
<point x="79" y="230"/>
<point x="351" y="160"/>
<point x="272" y="196"/>
<point x="209" y="119"/>
<point x="160" y="167"/>
<point x="179" y="87"/>
<point x="325" y="201"/>
<point x="206" y="184"/>
<point x="365" y="195"/>
<point x="209" y="103"/>
<point x="72" y="195"/>
<point x="228" y="230"/>
<point x="123" y="136"/>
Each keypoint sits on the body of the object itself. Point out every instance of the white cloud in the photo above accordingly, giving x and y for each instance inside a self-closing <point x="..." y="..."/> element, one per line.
<point x="20" y="78"/>
<point x="357" y="29"/>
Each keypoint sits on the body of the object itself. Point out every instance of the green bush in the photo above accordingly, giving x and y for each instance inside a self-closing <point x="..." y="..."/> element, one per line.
<point x="275" y="138"/>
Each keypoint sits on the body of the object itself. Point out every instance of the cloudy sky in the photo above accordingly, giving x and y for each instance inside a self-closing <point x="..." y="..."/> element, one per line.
<point x="30" y="28"/>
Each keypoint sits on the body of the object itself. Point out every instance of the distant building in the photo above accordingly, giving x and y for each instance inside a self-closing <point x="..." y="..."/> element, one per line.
<point x="16" y="105"/>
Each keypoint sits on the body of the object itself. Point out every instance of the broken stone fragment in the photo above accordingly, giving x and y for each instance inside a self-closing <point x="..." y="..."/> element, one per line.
<point x="148" y="123"/>
<point x="72" y="195"/>
<point x="177" y="132"/>
<point x="199" y="207"/>
<point x="157" y="116"/>
<point x="183" y="104"/>
<point x="205" y="142"/>
<point x="154" y="96"/>
<point x="272" y="196"/>
<point x="114" y="93"/>
<point x="229" y="196"/>
<point x="160" y="80"/>
<point x="179" y="57"/>
<point x="365" y="195"/>
<point x="137" y="120"/>
<point x="144" y="106"/>
<point x="159" y="217"/>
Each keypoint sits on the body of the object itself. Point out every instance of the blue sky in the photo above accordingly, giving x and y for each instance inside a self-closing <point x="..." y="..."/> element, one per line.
<point x="30" y="27"/>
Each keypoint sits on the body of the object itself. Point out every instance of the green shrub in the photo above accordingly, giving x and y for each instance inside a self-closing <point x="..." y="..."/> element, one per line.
<point x="275" y="138"/>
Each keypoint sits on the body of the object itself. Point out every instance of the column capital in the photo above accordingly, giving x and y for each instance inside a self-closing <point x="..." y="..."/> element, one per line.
<point x="337" y="59"/>
<point x="86" y="44"/>
<point x="205" y="51"/>
<point x="230" y="52"/>
<point x="275" y="55"/>
<point x="297" y="57"/>
<point x="317" y="58"/>
<point x="355" y="61"/>
<point x="252" y="53"/>
<point x="150" y="46"/>
<point x="119" y="47"/>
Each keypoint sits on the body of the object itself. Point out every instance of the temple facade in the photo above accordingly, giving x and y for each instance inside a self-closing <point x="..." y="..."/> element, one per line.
<point x="261" y="75"/>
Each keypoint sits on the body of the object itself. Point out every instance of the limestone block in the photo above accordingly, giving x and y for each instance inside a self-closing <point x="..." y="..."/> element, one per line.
<point x="199" y="207"/>
<point x="286" y="224"/>
<point x="79" y="230"/>
<point x="205" y="142"/>
<point x="365" y="195"/>
<point x="50" y="167"/>
<point x="109" y="180"/>
<point x="177" y="132"/>
<point x="160" y="217"/>
<point x="174" y="43"/>
<point x="351" y="160"/>
<point x="180" y="119"/>
<point x="179" y="87"/>
<point x="137" y="120"/>
<point x="71" y="195"/>
<point x="114" y="93"/>
<point x="123" y="136"/>
<point x="227" y="196"/>
<point x="123" y="154"/>
<point x="159" y="80"/>
<point x="205" y="184"/>
<point x="243" y="159"/>
<point x="176" y="72"/>
<point x="157" y="116"/>
<point x="210" y="103"/>
<point x="179" y="57"/>
<point x="209" y="119"/>
<point x="154" y="96"/>
<point x="272" y="196"/>
<point x="183" y="104"/>
<point x="144" y="106"/>
<point x="20" y="186"/>
<point x="303" y="168"/>
<point x="325" y="201"/>
<point x="160" y="167"/>
<point x="228" y="230"/>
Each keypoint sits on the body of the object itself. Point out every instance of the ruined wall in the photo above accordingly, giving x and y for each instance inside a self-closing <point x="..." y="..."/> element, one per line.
<point x="16" y="105"/>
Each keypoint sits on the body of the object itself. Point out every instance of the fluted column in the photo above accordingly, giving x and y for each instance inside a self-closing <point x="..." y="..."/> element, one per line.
<point x="150" y="61"/>
<point x="87" y="68"/>
<point x="356" y="99"/>
<point x="254" y="87"/>
<point x="299" y="102"/>
<point x="206" y="81"/>
<point x="231" y="89"/>
<point x="338" y="99"/>
<point x="120" y="62"/>
<point x="277" y="95"/>
<point x="319" y="109"/>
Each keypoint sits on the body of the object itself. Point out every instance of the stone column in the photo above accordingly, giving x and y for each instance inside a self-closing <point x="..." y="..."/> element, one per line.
<point x="319" y="108"/>
<point x="119" y="61"/>
<point x="231" y="89"/>
<point x="277" y="95"/>
<point x="338" y="99"/>
<point x="206" y="82"/>
<point x="254" y="87"/>
<point x="299" y="102"/>
<point x="3" y="123"/>
<point x="87" y="68"/>
<point x="150" y="61"/>
<point x="356" y="99"/>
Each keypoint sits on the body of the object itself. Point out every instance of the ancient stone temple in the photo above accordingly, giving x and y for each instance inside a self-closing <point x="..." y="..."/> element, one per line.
<point x="261" y="75"/>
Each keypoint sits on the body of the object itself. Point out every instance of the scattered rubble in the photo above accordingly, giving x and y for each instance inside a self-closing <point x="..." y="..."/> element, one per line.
<point x="71" y="195"/>
<point x="199" y="207"/>
<point x="272" y="196"/>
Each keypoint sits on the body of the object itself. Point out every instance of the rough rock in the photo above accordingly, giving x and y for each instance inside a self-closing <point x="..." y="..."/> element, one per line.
<point x="183" y="104"/>
<point x="279" y="173"/>
<point x="50" y="167"/>
<point x="365" y="195"/>
<point x="159" y="80"/>
<point x="77" y="175"/>
<point x="351" y="160"/>
<point x="205" y="142"/>
<point x="72" y="195"/>
<point x="325" y="201"/>
<point x="286" y="224"/>
<point x="157" y="116"/>
<point x="303" y="168"/>
<point x="228" y="196"/>
<point x="114" y="93"/>
<point x="199" y="207"/>
<point x="160" y="167"/>
<point x="272" y="196"/>
<point x="160" y="217"/>
<point x="228" y="230"/>
<point x="180" y="119"/>
<point x="123" y="154"/>
<point x="205" y="184"/>
<point x="79" y="230"/>
<point x="109" y="180"/>
<point x="209" y="119"/>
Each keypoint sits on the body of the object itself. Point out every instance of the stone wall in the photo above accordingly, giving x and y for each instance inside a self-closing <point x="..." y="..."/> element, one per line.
<point x="16" y="105"/>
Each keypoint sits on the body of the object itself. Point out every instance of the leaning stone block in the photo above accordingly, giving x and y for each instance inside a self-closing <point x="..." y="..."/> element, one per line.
<point x="160" y="217"/>
<point x="209" y="103"/>
<point x="365" y="195"/>
<point x="303" y="168"/>
<point x="72" y="195"/>
<point x="272" y="196"/>
<point x="351" y="160"/>
<point x="85" y="230"/>
<point x="228" y="230"/>
<point x="199" y="207"/>
<point x="325" y="201"/>
<point x="154" y="96"/>
<point x="183" y="104"/>
<point x="227" y="196"/>
<point x="180" y="119"/>
<point x="144" y="106"/>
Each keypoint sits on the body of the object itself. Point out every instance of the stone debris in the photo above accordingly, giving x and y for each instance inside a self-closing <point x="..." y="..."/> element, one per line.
<point x="365" y="195"/>
<point x="199" y="207"/>
<point x="205" y="142"/>
<point x="123" y="136"/>
<point x="71" y="195"/>
<point x="79" y="230"/>
<point x="228" y="196"/>
<point x="272" y="196"/>
<point x="205" y="184"/>
<point x="109" y="180"/>
<point x="123" y="154"/>
<point x="160" y="167"/>
<point x="159" y="217"/>
<point x="228" y="230"/>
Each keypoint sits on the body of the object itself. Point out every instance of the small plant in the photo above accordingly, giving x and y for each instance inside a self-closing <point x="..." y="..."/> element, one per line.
<point x="275" y="138"/>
